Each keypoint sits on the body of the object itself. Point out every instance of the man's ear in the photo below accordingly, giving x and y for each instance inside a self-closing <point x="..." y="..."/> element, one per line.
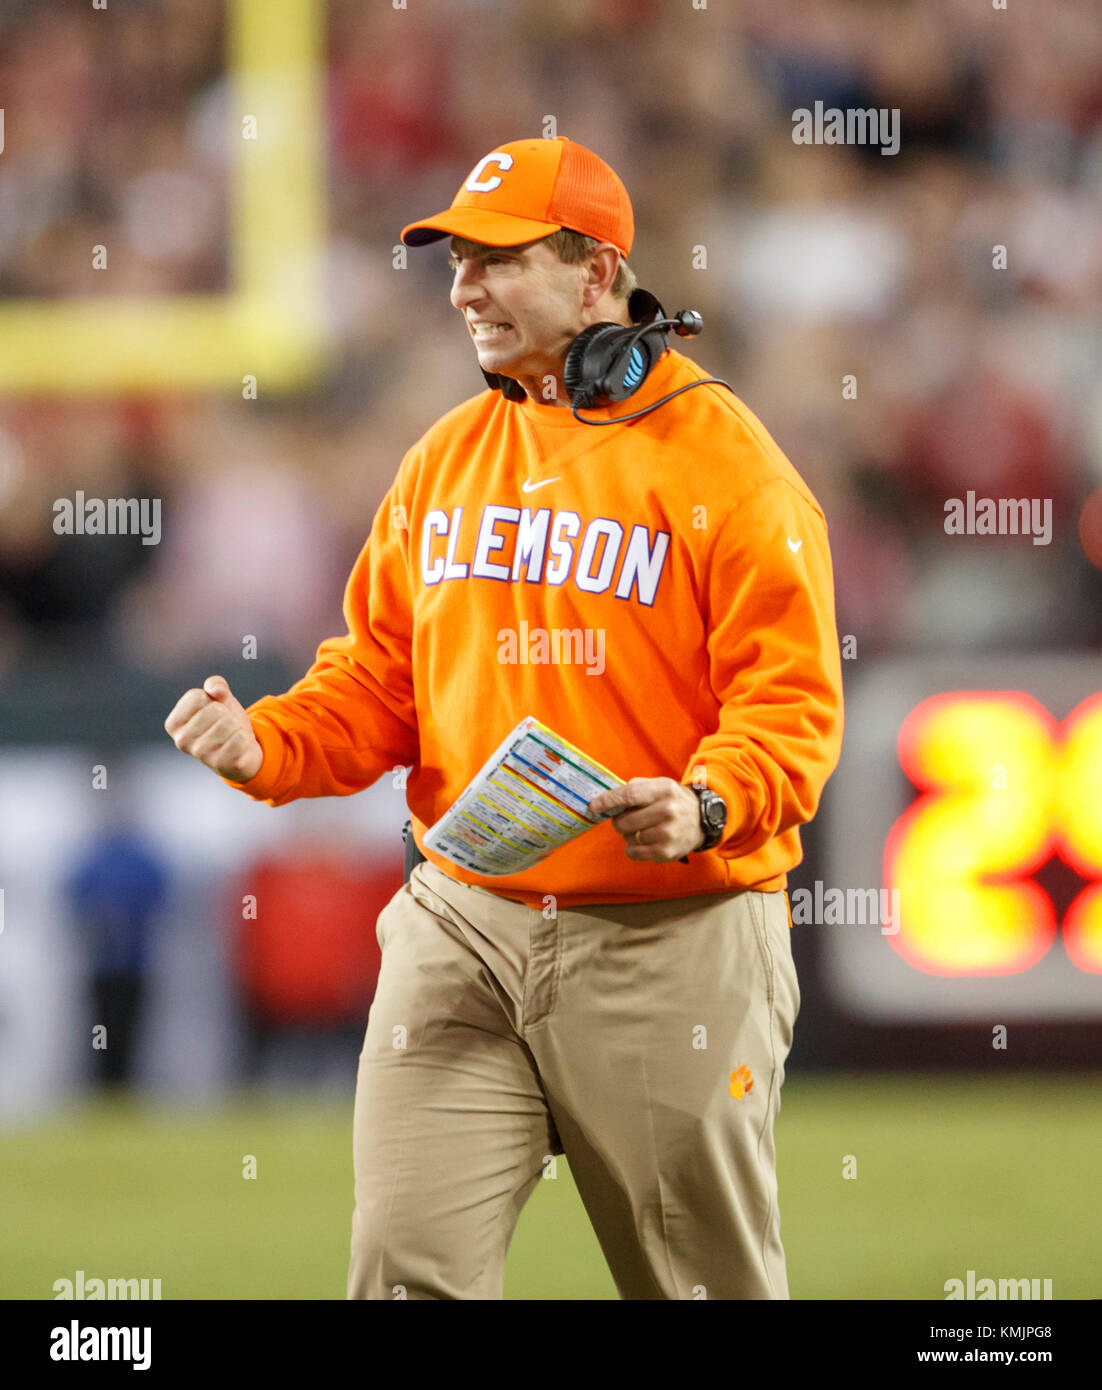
<point x="600" y="273"/>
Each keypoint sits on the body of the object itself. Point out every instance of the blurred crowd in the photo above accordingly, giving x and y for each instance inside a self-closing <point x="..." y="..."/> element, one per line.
<point x="819" y="263"/>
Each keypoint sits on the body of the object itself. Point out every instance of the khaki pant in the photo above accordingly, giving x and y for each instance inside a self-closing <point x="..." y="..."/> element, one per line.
<point x="499" y="1037"/>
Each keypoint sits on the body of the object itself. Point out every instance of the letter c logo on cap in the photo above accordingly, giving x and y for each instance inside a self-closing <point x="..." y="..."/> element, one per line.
<point x="474" y="184"/>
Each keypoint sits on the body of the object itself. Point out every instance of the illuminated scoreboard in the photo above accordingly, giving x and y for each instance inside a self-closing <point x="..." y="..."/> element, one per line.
<point x="969" y="796"/>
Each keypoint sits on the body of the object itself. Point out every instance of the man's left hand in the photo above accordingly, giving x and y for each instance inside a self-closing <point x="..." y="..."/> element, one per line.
<point x="660" y="819"/>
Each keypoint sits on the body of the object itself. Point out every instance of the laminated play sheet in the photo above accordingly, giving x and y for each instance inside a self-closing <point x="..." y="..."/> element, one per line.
<point x="529" y="798"/>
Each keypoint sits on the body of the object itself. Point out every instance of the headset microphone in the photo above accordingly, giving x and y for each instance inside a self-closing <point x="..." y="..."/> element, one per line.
<point x="608" y="362"/>
<point x="686" y="323"/>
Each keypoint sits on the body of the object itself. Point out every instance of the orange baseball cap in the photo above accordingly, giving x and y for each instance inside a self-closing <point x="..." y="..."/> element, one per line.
<point x="530" y="188"/>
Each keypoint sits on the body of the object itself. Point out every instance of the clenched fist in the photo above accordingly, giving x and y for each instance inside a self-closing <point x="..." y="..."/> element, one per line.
<point x="212" y="726"/>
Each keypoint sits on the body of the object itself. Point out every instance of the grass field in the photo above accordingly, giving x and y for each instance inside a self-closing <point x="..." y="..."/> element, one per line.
<point x="953" y="1173"/>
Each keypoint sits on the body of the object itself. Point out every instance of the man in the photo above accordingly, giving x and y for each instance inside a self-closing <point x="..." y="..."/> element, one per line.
<point x="613" y="1003"/>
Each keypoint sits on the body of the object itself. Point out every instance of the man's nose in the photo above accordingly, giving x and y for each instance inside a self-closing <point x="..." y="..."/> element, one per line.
<point x="466" y="285"/>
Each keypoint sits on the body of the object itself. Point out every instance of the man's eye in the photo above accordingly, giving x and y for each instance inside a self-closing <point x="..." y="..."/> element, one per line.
<point x="454" y="262"/>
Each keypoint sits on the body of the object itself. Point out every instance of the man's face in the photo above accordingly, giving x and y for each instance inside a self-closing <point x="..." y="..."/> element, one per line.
<point x="521" y="304"/>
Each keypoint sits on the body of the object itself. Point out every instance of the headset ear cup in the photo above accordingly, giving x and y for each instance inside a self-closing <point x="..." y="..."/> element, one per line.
<point x="510" y="389"/>
<point x="578" y="376"/>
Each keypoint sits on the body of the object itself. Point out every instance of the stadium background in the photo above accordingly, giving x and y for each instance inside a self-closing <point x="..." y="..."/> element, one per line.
<point x="275" y="258"/>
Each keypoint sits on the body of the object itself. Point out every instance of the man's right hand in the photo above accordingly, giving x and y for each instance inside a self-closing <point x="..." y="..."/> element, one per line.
<point x="212" y="726"/>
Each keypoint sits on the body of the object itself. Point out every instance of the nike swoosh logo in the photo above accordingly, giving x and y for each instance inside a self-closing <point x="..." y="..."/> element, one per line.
<point x="529" y="486"/>
<point x="794" y="546"/>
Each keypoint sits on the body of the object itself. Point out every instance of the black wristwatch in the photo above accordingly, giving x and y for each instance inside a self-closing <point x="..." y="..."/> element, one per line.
<point x="713" y="816"/>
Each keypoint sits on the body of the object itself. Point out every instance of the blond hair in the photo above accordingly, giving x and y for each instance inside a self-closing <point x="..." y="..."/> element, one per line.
<point x="572" y="248"/>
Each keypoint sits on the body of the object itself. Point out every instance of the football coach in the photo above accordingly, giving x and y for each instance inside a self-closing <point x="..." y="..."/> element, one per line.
<point x="629" y="1001"/>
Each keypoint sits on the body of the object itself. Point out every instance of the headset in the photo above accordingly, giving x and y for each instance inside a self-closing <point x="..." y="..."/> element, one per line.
<point x="608" y="362"/>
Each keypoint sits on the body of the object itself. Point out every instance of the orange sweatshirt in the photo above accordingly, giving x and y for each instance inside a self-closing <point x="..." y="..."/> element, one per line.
<point x="659" y="593"/>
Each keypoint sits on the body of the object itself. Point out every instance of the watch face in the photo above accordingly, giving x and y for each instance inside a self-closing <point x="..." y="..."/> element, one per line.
<point x="713" y="815"/>
<point x="715" y="812"/>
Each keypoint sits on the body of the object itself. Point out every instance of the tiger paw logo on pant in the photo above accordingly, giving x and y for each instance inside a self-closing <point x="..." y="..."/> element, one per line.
<point x="742" y="1083"/>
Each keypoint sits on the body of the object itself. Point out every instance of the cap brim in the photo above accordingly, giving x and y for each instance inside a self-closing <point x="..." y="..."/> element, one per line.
<point x="478" y="224"/>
